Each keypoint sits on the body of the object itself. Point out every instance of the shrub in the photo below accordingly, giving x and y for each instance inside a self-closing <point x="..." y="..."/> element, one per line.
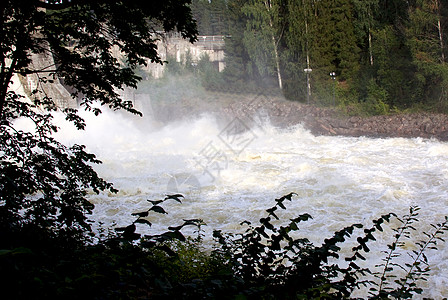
<point x="268" y="262"/>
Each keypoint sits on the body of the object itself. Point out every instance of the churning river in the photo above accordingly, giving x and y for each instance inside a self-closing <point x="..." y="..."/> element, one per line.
<point x="229" y="175"/>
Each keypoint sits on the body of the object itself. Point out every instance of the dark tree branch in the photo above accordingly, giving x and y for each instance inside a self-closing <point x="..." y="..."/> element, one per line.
<point x="59" y="5"/>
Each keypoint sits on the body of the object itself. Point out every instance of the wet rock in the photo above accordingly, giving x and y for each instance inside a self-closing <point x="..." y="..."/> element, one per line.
<point x="320" y="121"/>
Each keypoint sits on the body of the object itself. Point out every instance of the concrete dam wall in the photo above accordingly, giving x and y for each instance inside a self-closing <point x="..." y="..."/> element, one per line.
<point x="170" y="46"/>
<point x="173" y="46"/>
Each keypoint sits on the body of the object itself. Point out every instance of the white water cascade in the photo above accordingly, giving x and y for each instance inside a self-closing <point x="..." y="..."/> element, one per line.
<point x="228" y="178"/>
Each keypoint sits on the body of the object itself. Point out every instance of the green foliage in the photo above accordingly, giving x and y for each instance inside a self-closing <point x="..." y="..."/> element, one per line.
<point x="210" y="16"/>
<point x="401" y="46"/>
<point x="240" y="73"/>
<point x="173" y="67"/>
<point x="394" y="71"/>
<point x="373" y="102"/>
<point x="211" y="78"/>
<point x="262" y="36"/>
<point x="427" y="41"/>
<point x="43" y="183"/>
<point x="47" y="247"/>
<point x="83" y="39"/>
<point x="414" y="271"/>
<point x="272" y="263"/>
<point x="335" y="48"/>
<point x="175" y="265"/>
<point x="270" y="260"/>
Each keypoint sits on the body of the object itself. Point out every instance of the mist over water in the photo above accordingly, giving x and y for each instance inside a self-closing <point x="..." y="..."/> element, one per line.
<point x="228" y="178"/>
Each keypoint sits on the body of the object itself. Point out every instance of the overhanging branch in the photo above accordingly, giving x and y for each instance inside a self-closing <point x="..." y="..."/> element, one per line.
<point x="59" y="4"/>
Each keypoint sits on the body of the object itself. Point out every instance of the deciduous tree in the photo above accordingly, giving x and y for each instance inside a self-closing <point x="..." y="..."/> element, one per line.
<point x="264" y="31"/>
<point x="95" y="47"/>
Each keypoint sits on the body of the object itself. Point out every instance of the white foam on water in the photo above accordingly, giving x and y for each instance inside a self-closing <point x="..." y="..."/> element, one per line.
<point x="230" y="178"/>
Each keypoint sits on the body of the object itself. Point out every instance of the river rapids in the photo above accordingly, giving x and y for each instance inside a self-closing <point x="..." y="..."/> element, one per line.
<point x="231" y="172"/>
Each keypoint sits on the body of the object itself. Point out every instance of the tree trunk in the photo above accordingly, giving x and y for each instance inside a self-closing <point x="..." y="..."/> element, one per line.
<point x="6" y="73"/>
<point x="274" y="44"/>
<point x="435" y="6"/>
<point x="308" y="84"/>
<point x="370" y="41"/>
<point x="277" y="63"/>
<point x="439" y="27"/>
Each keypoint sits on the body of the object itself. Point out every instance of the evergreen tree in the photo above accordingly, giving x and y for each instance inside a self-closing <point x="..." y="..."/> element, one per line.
<point x="220" y="18"/>
<point x="391" y="51"/>
<point x="202" y="15"/>
<point x="393" y="70"/>
<point x="264" y="31"/>
<point x="387" y="61"/>
<point x="345" y="46"/>
<point x="335" y="47"/>
<point x="301" y="23"/>
<point x="427" y="41"/>
<point x="322" y="53"/>
<point x="237" y="72"/>
<point x="392" y="12"/>
<point x="211" y="16"/>
<point x="364" y="24"/>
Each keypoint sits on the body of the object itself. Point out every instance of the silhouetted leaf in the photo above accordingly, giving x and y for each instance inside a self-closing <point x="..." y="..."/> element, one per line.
<point x="141" y="214"/>
<point x="271" y="212"/>
<point x="176" y="227"/>
<point x="158" y="209"/>
<point x="143" y="221"/>
<point x="174" y="235"/>
<point x="155" y="202"/>
<point x="131" y="236"/>
<point x="262" y="232"/>
<point x="195" y="222"/>
<point x="175" y="197"/>
<point x="289" y="196"/>
<point x="167" y="250"/>
<point x="281" y="205"/>
<point x="129" y="229"/>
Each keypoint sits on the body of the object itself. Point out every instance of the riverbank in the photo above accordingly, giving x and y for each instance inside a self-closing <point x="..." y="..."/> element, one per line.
<point x="328" y="121"/>
<point x="320" y="121"/>
<point x="424" y="125"/>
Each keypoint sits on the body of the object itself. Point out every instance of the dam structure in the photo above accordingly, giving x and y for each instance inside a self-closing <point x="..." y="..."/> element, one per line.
<point x="37" y="81"/>
<point x="171" y="46"/>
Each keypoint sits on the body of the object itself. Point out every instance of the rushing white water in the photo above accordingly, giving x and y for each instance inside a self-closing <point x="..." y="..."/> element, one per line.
<point x="230" y="178"/>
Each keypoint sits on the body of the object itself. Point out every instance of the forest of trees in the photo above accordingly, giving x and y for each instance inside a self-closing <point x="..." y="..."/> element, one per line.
<point x="386" y="54"/>
<point x="48" y="247"/>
